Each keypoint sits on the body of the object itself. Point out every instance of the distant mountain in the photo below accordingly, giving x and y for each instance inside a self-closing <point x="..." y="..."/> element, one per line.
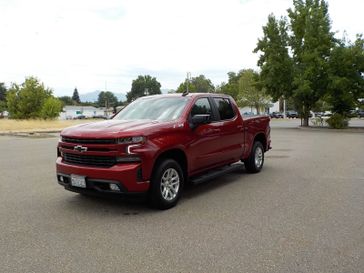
<point x="166" y="91"/>
<point x="93" y="96"/>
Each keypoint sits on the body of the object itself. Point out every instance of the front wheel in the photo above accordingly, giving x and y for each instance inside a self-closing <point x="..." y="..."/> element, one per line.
<point x="254" y="163"/>
<point x="167" y="184"/>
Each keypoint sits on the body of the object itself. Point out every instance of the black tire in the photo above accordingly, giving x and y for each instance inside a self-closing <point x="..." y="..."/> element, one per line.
<point x="254" y="163"/>
<point x="163" y="192"/>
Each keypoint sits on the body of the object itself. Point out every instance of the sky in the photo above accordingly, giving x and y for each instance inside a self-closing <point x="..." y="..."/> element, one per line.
<point x="98" y="45"/>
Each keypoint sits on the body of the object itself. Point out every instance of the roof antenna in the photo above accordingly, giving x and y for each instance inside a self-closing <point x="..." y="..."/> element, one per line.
<point x="185" y="93"/>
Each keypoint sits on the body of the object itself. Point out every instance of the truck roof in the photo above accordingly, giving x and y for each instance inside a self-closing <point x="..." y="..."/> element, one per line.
<point x="192" y="95"/>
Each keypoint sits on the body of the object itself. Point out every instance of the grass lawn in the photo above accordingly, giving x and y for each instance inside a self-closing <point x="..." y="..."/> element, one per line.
<point x="9" y="125"/>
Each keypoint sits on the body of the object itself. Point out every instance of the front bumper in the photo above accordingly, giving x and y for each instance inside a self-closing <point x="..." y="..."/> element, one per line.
<point x="128" y="177"/>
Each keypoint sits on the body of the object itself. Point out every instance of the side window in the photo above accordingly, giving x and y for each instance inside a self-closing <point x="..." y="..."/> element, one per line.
<point x="202" y="106"/>
<point x="225" y="108"/>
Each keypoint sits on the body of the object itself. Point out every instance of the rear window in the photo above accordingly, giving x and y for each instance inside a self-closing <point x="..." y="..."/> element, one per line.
<point x="225" y="108"/>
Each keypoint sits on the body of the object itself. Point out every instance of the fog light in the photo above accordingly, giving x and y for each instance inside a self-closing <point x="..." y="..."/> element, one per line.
<point x="114" y="187"/>
<point x="61" y="178"/>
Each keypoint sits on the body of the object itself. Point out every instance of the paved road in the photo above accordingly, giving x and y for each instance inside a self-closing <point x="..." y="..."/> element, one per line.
<point x="294" y="123"/>
<point x="303" y="213"/>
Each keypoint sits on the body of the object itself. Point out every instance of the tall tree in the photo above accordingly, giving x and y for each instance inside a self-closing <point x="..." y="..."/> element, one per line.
<point x="76" y="96"/>
<point x="107" y="99"/>
<point x="276" y="65"/>
<point x="297" y="64"/>
<point x="311" y="42"/>
<point x="346" y="71"/>
<point x="3" y="91"/>
<point x="143" y="86"/>
<point x="198" y="84"/>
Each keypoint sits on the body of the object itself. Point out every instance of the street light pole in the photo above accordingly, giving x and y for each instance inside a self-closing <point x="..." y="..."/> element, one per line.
<point x="188" y="80"/>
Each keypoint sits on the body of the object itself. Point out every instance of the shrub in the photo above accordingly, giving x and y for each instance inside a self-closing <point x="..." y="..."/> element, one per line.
<point x="32" y="100"/>
<point x="337" y="121"/>
<point x="51" y="108"/>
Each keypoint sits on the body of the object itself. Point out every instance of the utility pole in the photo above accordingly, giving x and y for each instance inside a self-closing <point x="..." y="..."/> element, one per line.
<point x="284" y="108"/>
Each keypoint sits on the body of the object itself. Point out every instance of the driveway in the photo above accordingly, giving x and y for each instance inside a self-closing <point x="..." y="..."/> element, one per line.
<point x="303" y="213"/>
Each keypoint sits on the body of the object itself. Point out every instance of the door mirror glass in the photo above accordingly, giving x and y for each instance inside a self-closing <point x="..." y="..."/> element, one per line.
<point x="200" y="119"/>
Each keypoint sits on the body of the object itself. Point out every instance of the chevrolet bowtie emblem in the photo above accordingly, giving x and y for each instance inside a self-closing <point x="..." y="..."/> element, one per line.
<point x="80" y="148"/>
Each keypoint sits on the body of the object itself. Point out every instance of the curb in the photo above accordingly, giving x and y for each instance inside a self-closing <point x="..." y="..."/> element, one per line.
<point x="29" y="133"/>
<point x="327" y="129"/>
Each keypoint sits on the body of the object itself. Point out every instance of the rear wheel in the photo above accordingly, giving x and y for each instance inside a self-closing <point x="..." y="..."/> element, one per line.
<point x="254" y="163"/>
<point x="166" y="185"/>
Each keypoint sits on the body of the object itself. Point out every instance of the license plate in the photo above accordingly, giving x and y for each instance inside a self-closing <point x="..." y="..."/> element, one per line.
<point x="78" y="181"/>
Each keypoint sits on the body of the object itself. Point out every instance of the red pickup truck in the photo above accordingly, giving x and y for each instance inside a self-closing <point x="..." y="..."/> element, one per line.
<point x="158" y="143"/>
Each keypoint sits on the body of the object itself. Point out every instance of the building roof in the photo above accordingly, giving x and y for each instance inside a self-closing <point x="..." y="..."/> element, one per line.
<point x="80" y="107"/>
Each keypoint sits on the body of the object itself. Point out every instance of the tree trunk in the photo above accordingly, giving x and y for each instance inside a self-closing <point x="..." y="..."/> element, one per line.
<point x="305" y="121"/>
<point x="257" y="108"/>
<point x="306" y="116"/>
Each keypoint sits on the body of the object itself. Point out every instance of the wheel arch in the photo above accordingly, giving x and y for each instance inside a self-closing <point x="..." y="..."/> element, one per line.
<point x="262" y="139"/>
<point x="176" y="154"/>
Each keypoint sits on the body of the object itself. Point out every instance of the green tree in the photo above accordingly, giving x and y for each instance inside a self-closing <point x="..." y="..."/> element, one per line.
<point x="76" y="96"/>
<point x="107" y="99"/>
<point x="298" y="61"/>
<point x="26" y="100"/>
<point x="276" y="65"/>
<point x="250" y="92"/>
<point x="232" y="87"/>
<point x="346" y="71"/>
<point x="66" y="100"/>
<point x="51" y="108"/>
<point x="3" y="91"/>
<point x="245" y="88"/>
<point x="2" y="107"/>
<point x="311" y="42"/>
<point x="142" y="86"/>
<point x="198" y="84"/>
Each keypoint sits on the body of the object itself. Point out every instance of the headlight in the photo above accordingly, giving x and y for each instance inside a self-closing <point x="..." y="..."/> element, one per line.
<point x="131" y="140"/>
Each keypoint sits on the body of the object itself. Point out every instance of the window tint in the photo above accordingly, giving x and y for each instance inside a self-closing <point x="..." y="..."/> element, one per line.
<point x="202" y="106"/>
<point x="225" y="109"/>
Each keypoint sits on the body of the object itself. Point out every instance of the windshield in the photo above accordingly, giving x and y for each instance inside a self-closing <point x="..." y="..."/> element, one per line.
<point x="154" y="108"/>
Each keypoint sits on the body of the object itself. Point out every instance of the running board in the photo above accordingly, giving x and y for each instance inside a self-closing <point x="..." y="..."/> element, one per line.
<point x="216" y="173"/>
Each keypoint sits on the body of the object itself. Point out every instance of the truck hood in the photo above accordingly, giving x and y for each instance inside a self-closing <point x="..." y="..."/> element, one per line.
<point x="113" y="128"/>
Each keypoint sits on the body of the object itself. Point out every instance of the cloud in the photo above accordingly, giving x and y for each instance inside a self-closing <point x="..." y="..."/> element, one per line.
<point x="89" y="43"/>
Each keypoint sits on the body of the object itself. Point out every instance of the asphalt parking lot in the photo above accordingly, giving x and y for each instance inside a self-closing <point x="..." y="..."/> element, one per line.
<point x="303" y="213"/>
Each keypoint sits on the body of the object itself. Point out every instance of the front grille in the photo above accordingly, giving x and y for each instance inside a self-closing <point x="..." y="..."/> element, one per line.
<point x="89" y="160"/>
<point x="88" y="140"/>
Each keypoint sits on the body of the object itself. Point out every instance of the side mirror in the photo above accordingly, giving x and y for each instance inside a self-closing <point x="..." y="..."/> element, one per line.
<point x="197" y="120"/>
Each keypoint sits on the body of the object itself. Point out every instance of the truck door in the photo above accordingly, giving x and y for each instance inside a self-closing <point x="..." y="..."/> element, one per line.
<point x="232" y="131"/>
<point x="205" y="147"/>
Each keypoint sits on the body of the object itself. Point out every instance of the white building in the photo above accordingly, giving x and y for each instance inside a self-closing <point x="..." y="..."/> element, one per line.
<point x="4" y="114"/>
<point x="274" y="107"/>
<point x="75" y="111"/>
